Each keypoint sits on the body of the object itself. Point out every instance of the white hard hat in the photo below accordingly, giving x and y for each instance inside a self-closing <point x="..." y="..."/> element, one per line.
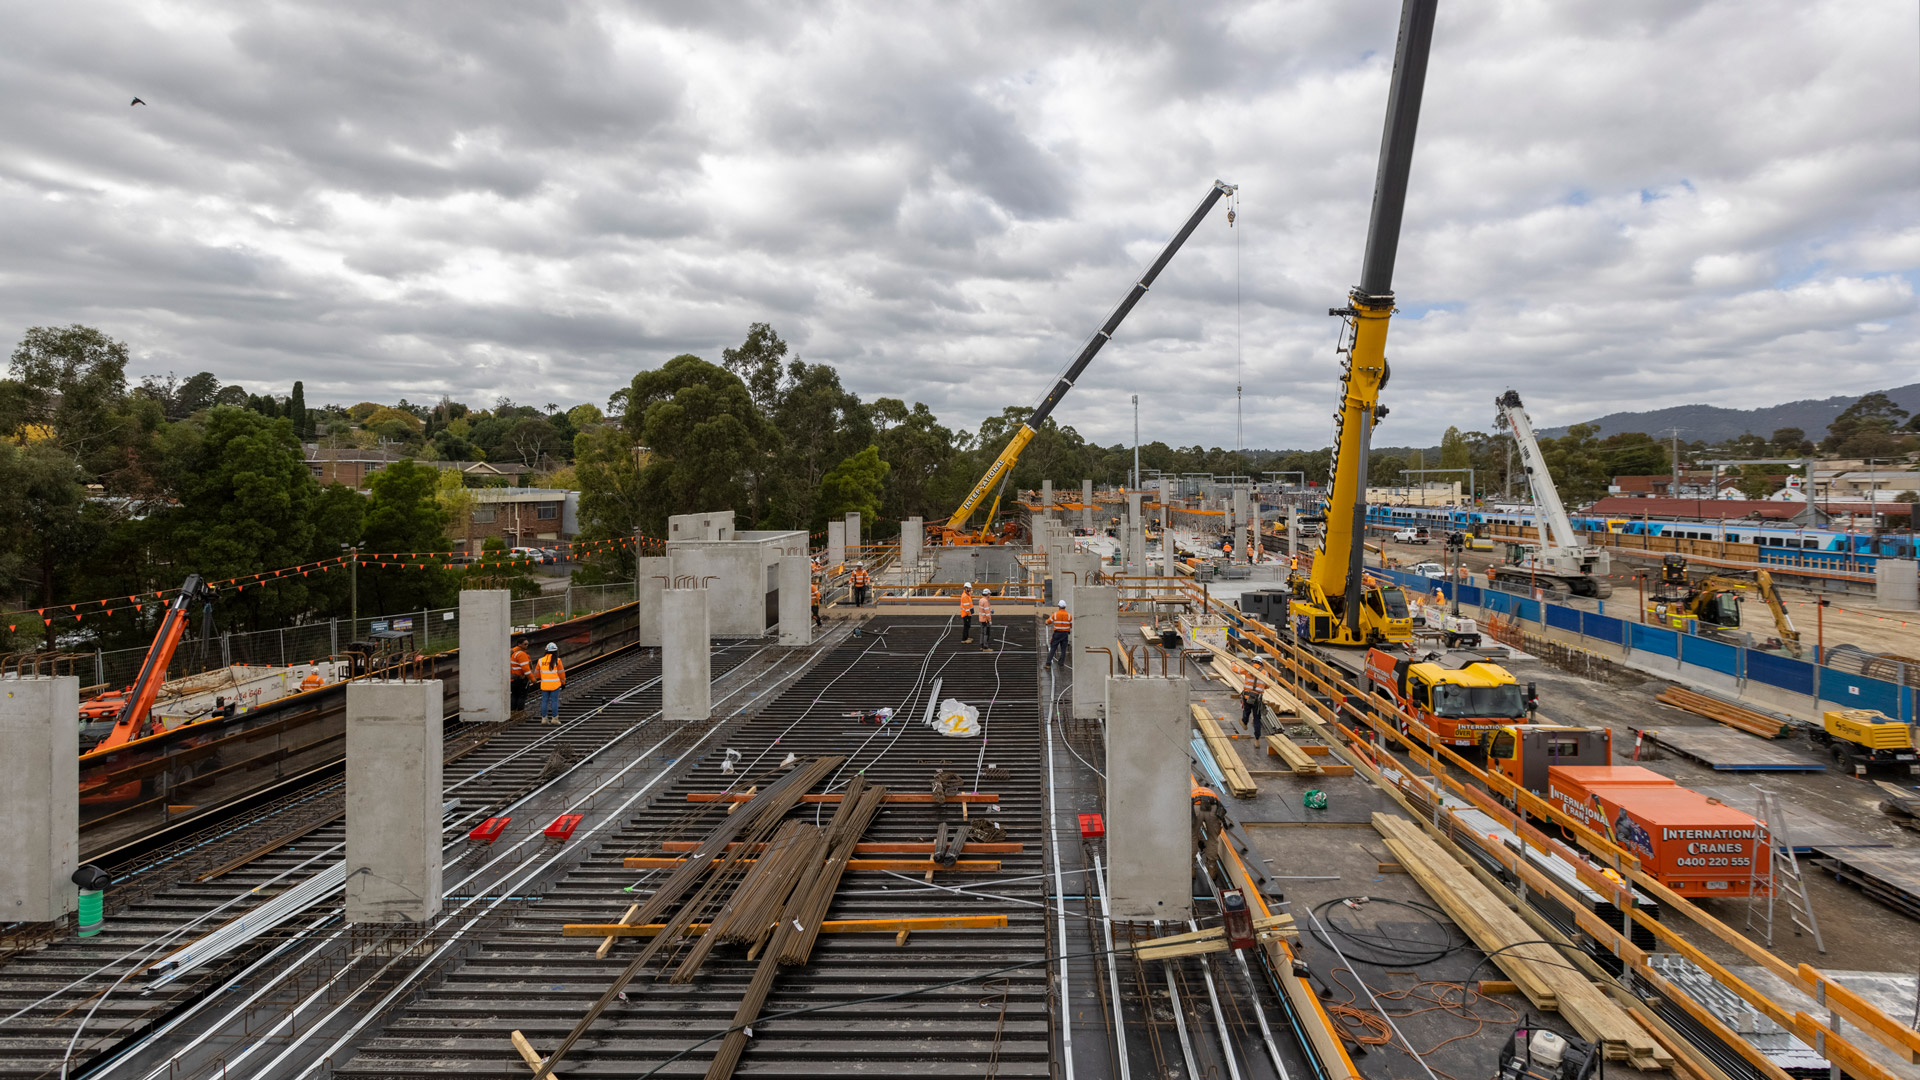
<point x="553" y="646"/>
<point x="969" y="584"/>
<point x="1063" y="605"/>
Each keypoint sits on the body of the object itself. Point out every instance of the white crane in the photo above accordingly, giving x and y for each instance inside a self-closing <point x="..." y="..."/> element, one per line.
<point x="1560" y="560"/>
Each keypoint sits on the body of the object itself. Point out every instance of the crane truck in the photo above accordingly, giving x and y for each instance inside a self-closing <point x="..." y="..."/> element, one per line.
<point x="955" y="530"/>
<point x="135" y="704"/>
<point x="1560" y="560"/>
<point x="1336" y="602"/>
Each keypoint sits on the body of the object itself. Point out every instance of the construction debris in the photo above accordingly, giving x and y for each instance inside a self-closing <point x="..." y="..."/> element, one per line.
<point x="1753" y="723"/>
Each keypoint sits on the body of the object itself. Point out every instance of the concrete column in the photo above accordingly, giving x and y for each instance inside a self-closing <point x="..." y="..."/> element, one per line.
<point x="912" y="538"/>
<point x="1240" y="550"/>
<point x="394" y="748"/>
<point x="686" y="661"/>
<point x="1149" y="813"/>
<point x="1086" y="501"/>
<point x="1046" y="501"/>
<point x="1895" y="584"/>
<point x="1075" y="569"/>
<point x="1096" y="624"/>
<point x="654" y="573"/>
<point x="1166" y="527"/>
<point x="796" y="600"/>
<point x="836" y="544"/>
<point x="1137" y="531"/>
<point x="39" y="798"/>
<point x="855" y="547"/>
<point x="486" y="632"/>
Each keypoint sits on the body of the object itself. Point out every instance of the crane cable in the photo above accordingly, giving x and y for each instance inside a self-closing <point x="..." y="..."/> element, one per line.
<point x="1239" y="430"/>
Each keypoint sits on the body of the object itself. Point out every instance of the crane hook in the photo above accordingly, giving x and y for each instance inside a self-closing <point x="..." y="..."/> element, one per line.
<point x="1230" y="216"/>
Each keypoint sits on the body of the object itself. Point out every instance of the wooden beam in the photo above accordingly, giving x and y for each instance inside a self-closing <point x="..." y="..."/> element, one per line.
<point x="1278" y="745"/>
<point x="831" y="926"/>
<point x="910" y="866"/>
<point x="1239" y="784"/>
<point x="529" y="1055"/>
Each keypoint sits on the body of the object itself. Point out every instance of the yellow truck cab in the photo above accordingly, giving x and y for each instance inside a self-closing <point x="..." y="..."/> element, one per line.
<point x="1455" y="695"/>
<point x="1524" y="752"/>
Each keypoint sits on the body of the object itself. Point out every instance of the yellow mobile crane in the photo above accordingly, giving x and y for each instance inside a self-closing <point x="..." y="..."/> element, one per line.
<point x="1335" y="602"/>
<point x="955" y="530"/>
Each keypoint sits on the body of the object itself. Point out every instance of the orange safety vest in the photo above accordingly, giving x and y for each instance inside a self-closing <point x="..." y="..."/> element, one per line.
<point x="521" y="664"/>
<point x="552" y="672"/>
<point x="983" y="609"/>
<point x="1061" y="620"/>
<point x="1204" y="793"/>
<point x="860" y="576"/>
<point x="816" y="592"/>
<point x="966" y="603"/>
<point x="312" y="681"/>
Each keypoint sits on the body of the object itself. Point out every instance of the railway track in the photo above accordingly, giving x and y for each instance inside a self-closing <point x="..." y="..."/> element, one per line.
<point x="944" y="1003"/>
<point x="78" y="1006"/>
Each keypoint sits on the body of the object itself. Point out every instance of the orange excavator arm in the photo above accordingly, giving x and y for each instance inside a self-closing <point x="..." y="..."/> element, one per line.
<point x="153" y="671"/>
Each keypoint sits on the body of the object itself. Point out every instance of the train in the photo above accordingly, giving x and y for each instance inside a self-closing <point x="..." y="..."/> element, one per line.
<point x="1823" y="547"/>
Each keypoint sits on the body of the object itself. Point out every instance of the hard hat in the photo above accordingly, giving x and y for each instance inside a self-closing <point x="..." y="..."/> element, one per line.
<point x="969" y="584"/>
<point x="1063" y="605"/>
<point x="553" y="646"/>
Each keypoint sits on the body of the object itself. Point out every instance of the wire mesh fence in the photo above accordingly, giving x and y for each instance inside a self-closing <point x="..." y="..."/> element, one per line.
<point x="433" y="630"/>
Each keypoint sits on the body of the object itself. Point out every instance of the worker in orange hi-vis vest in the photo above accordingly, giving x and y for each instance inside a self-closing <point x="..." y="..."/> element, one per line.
<point x="552" y="675"/>
<point x="983" y="610"/>
<point x="1209" y="818"/>
<point x="520" y="676"/>
<point x="1061" y="644"/>
<point x="816" y="601"/>
<point x="861" y="580"/>
<point x="313" y="681"/>
<point x="966" y="613"/>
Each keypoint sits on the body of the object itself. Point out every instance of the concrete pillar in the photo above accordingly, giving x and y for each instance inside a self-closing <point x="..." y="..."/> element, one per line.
<point x="1166" y="527"/>
<point x="796" y="600"/>
<point x="1096" y="625"/>
<point x="1239" y="518"/>
<point x="836" y="544"/>
<point x="686" y="661"/>
<point x="1137" y="531"/>
<point x="486" y="632"/>
<point x="1896" y="585"/>
<point x="1149" y="813"/>
<point x="1075" y="569"/>
<point x="855" y="547"/>
<point x="1086" y="505"/>
<point x="1046" y="501"/>
<point x="394" y="746"/>
<point x="39" y="798"/>
<point x="912" y="538"/>
<point x="654" y="574"/>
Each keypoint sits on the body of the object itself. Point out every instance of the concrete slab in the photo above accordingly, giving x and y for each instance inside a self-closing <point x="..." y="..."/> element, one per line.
<point x="394" y="746"/>
<point x="1726" y="750"/>
<point x="1096" y="616"/>
<point x="1149" y="819"/>
<point x="39" y="798"/>
<point x="486" y="633"/>
<point x="796" y="600"/>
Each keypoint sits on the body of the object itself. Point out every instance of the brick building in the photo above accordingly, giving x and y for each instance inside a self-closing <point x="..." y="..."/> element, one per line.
<point x="520" y="517"/>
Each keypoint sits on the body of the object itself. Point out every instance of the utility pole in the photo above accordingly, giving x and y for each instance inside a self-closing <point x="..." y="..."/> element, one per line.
<point x="1675" y="492"/>
<point x="1136" y="441"/>
<point x="353" y="627"/>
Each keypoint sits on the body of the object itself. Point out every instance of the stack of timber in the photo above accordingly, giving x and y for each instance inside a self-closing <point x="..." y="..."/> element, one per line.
<point x="1239" y="676"/>
<point x="1239" y="782"/>
<point x="1289" y="751"/>
<point x="1725" y="712"/>
<point x="1548" y="980"/>
<point x="1213" y="939"/>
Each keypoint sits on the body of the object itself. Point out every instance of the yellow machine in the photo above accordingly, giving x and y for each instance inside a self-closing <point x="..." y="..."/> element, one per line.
<point x="1714" y="601"/>
<point x="955" y="530"/>
<point x="1865" y="737"/>
<point x="1336" y="602"/>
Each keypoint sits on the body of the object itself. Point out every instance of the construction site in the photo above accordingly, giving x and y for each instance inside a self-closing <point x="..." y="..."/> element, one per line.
<point x="1196" y="777"/>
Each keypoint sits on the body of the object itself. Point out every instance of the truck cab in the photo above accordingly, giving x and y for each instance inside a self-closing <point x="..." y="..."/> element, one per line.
<point x="1524" y="752"/>
<point x="1412" y="535"/>
<point x="1456" y="695"/>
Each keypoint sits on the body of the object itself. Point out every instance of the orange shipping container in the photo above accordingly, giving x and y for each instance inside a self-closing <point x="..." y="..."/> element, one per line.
<point x="1694" y="845"/>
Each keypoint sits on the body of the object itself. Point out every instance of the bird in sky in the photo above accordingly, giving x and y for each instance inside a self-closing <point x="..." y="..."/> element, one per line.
<point x="135" y="101"/>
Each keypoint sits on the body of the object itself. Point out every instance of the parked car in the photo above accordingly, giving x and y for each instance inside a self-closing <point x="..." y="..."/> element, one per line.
<point x="1412" y="536"/>
<point x="1428" y="570"/>
<point x="530" y="554"/>
<point x="551" y="555"/>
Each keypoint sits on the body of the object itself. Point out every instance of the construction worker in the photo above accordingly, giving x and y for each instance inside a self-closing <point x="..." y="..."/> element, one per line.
<point x="552" y="675"/>
<point x="313" y="681"/>
<point x="1253" y="706"/>
<point x="1061" y="643"/>
<point x="1209" y="818"/>
<point x="520" y="676"/>
<point x="966" y="613"/>
<point x="983" y="610"/>
<point x="860" y="582"/>
<point x="816" y="602"/>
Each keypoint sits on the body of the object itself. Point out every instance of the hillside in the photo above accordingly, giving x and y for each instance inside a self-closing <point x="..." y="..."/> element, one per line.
<point x="1714" y="424"/>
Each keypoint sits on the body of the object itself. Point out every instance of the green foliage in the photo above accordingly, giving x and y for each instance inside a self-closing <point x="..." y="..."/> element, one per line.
<point x="853" y="486"/>
<point x="404" y="514"/>
<point x="611" y="500"/>
<point x="497" y="571"/>
<point x="705" y="436"/>
<point x="1866" y="429"/>
<point x="1454" y="451"/>
<point x="71" y="383"/>
<point x="297" y="411"/>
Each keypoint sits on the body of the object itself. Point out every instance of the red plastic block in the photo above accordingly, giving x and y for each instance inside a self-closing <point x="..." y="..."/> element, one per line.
<point x="1092" y="827"/>
<point x="563" y="826"/>
<point x="489" y="830"/>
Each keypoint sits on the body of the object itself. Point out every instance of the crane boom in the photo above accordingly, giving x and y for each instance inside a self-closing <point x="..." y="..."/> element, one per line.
<point x="1003" y="464"/>
<point x="153" y="670"/>
<point x="1333" y="603"/>
<point x="1561" y="557"/>
<point x="1546" y="497"/>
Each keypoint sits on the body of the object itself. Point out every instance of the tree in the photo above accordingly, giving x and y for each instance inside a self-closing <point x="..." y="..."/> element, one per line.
<point x="607" y="468"/>
<point x="297" y="411"/>
<point x="530" y="441"/>
<point x="195" y="394"/>
<point x="72" y="382"/>
<point x="405" y="516"/>
<point x="1790" y="440"/>
<point x="1454" y="451"/>
<point x="43" y="522"/>
<point x="853" y="486"/>
<point x="919" y="452"/>
<point x="1865" y="428"/>
<point x="497" y="570"/>
<point x="1634" y="453"/>
<point x="704" y="434"/>
<point x="451" y="492"/>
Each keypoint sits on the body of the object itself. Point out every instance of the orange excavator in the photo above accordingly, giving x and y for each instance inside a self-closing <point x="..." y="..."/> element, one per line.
<point x="135" y="703"/>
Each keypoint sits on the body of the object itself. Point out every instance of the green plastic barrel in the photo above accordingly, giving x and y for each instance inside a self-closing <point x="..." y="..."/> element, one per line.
<point x="1315" y="799"/>
<point x="93" y="913"/>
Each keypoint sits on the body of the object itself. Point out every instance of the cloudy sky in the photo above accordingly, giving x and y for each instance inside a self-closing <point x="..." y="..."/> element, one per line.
<point x="1615" y="204"/>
